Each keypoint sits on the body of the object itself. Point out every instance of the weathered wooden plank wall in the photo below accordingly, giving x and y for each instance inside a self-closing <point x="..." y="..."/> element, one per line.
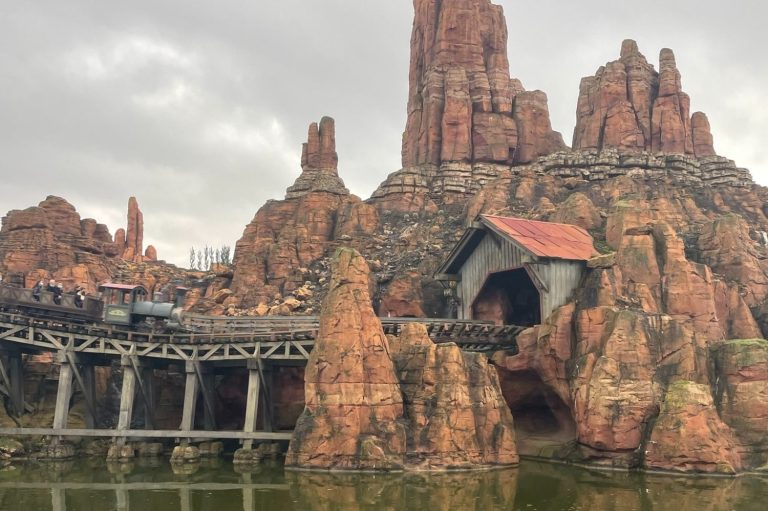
<point x="494" y="254"/>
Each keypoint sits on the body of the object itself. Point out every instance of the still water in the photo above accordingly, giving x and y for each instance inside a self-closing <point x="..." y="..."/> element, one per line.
<point x="96" y="486"/>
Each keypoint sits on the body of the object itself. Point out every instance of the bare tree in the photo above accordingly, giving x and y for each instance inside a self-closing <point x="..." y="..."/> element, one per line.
<point x="192" y="258"/>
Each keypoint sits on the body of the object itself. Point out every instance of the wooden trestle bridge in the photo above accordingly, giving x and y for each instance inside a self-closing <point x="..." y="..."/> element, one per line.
<point x="257" y="344"/>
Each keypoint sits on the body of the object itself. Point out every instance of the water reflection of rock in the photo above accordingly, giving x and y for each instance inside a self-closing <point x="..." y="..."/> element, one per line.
<point x="90" y="487"/>
<point x="467" y="491"/>
<point x="549" y="486"/>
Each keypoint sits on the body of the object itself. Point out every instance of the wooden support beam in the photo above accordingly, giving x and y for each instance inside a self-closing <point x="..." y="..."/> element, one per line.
<point x="127" y="395"/>
<point x="206" y="380"/>
<point x="533" y="273"/>
<point x="142" y="433"/>
<point x="63" y="393"/>
<point x="249" y="499"/>
<point x="267" y="405"/>
<point x="90" y="404"/>
<point x="148" y="391"/>
<point x="16" y="376"/>
<point x="145" y="397"/>
<point x="190" y="398"/>
<point x="89" y="391"/>
<point x="252" y="401"/>
<point x="448" y="277"/>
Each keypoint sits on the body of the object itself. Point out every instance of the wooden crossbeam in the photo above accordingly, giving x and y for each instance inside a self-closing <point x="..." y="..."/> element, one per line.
<point x="88" y="402"/>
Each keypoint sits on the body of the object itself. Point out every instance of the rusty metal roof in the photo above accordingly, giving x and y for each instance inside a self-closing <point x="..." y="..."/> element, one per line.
<point x="544" y="239"/>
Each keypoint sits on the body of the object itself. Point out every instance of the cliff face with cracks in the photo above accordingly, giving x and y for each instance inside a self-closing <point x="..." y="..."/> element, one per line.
<point x="629" y="106"/>
<point x="52" y="241"/>
<point x="466" y="115"/>
<point x="285" y="237"/>
<point x="379" y="403"/>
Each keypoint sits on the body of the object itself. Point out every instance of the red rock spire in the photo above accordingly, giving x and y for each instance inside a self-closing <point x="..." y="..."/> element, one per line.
<point x="462" y="105"/>
<point x="629" y="106"/>
<point x="319" y="152"/>
<point x="130" y="242"/>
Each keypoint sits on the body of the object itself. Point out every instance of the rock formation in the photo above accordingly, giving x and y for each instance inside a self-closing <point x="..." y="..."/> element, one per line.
<point x="638" y="347"/>
<point x="52" y="240"/>
<point x="130" y="241"/>
<point x="462" y="104"/>
<point x="290" y="235"/>
<point x="688" y="434"/>
<point x="465" y="113"/>
<point x="741" y="397"/>
<point x="353" y="418"/>
<point x="455" y="413"/>
<point x="415" y="405"/>
<point x="629" y="106"/>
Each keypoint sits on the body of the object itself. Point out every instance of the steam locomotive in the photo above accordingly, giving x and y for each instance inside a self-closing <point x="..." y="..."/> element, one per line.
<point x="118" y="304"/>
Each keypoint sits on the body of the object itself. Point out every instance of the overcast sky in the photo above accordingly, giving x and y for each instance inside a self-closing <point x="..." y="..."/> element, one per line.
<point x="199" y="109"/>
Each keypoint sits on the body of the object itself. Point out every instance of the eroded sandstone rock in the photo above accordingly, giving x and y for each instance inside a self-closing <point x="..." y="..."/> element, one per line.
<point x="467" y="117"/>
<point x="741" y="382"/>
<point x="354" y="410"/>
<point x="629" y="106"/>
<point x="688" y="434"/>
<point x="291" y="234"/>
<point x="456" y="415"/>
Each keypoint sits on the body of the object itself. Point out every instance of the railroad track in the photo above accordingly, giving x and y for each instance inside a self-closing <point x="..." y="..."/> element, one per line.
<point x="208" y="332"/>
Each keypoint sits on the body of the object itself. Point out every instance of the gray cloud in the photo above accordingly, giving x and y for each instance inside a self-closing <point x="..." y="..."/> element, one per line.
<point x="199" y="109"/>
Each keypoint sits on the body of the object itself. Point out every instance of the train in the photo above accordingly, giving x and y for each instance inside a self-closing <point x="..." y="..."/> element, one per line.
<point x="117" y="304"/>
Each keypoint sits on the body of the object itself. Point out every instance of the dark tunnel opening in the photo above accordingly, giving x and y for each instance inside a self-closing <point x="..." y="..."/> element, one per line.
<point x="509" y="298"/>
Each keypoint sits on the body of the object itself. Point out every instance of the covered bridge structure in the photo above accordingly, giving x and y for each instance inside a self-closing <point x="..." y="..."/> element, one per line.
<point x="514" y="271"/>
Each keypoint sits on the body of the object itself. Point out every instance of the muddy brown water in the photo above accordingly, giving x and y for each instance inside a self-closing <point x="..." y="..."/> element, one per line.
<point x="217" y="486"/>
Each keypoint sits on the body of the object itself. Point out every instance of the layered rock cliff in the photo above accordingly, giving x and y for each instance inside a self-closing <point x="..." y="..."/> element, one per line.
<point x="52" y="241"/>
<point x="629" y="106"/>
<point x="286" y="237"/>
<point x="466" y="115"/>
<point x="378" y="403"/>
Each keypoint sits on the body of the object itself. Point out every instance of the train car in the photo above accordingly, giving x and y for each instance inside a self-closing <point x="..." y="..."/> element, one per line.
<point x="42" y="304"/>
<point x="119" y="304"/>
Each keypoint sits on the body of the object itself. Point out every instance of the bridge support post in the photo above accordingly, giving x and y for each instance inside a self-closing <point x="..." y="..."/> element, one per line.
<point x="16" y="376"/>
<point x="63" y="392"/>
<point x="207" y="387"/>
<point x="267" y="404"/>
<point x="191" y="390"/>
<point x="12" y="377"/>
<point x="127" y="396"/>
<point x="89" y="390"/>
<point x="252" y="401"/>
<point x="147" y="377"/>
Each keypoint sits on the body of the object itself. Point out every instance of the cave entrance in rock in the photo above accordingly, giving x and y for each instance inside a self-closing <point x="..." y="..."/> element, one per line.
<point x="508" y="298"/>
<point x="542" y="419"/>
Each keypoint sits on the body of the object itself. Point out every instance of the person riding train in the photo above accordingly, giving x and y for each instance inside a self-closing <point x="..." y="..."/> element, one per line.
<point x="37" y="289"/>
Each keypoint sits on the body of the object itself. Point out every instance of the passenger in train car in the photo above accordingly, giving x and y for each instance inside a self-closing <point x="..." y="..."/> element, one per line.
<point x="57" y="292"/>
<point x="37" y="289"/>
<point x="79" y="293"/>
<point x="51" y="286"/>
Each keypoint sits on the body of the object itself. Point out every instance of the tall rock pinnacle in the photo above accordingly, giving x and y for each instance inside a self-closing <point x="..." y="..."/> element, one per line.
<point x="130" y="241"/>
<point x="319" y="162"/>
<point x="462" y="104"/>
<point x="290" y="234"/>
<point x="629" y="106"/>
<point x="319" y="152"/>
